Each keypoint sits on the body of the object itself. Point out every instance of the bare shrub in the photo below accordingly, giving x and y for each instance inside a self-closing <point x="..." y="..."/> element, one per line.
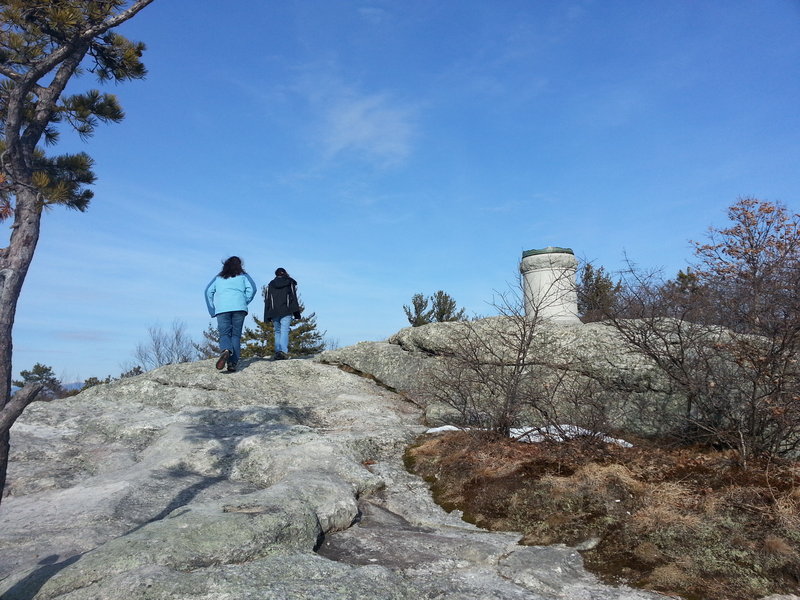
<point x="165" y="347"/>
<point x="726" y="334"/>
<point x="505" y="372"/>
<point x="489" y="375"/>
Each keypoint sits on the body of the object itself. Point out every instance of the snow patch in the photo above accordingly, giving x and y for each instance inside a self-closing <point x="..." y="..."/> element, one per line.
<point x="532" y="435"/>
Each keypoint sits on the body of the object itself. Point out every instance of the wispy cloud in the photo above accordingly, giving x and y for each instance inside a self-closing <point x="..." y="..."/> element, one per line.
<point x="339" y="117"/>
<point x="347" y="122"/>
<point x="614" y="106"/>
<point x="372" y="126"/>
<point x="374" y="14"/>
<point x="84" y="336"/>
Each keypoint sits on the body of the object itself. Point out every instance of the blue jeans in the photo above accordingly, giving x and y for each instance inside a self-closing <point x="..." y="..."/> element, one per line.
<point x="282" y="333"/>
<point x="229" y="325"/>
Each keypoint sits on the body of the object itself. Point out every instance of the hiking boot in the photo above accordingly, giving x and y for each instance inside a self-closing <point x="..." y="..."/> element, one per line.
<point x="223" y="358"/>
<point x="231" y="367"/>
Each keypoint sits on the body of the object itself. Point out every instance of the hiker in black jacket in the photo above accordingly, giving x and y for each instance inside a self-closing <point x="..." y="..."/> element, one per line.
<point x="280" y="305"/>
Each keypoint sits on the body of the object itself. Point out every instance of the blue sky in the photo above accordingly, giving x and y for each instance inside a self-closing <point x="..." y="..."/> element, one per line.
<point x="378" y="148"/>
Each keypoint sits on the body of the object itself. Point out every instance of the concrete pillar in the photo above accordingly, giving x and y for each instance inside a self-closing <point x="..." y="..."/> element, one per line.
<point x="549" y="284"/>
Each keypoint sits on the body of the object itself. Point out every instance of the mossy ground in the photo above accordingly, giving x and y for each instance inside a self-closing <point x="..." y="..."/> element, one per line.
<point x="688" y="521"/>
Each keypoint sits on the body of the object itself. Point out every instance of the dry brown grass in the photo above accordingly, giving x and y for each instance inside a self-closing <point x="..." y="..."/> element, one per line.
<point x="688" y="521"/>
<point x="669" y="577"/>
<point x="648" y="553"/>
<point x="787" y="511"/>
<point x="666" y="505"/>
<point x="777" y="547"/>
<point x="671" y="494"/>
<point x="613" y="481"/>
<point x="653" y="519"/>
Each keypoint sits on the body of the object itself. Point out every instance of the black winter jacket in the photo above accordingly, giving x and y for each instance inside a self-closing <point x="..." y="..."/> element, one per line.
<point x="281" y="298"/>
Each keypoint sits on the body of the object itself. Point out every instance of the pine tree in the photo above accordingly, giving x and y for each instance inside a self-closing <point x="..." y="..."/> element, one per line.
<point x="260" y="341"/>
<point x="443" y="309"/>
<point x="597" y="293"/>
<point x="418" y="313"/>
<point x="44" y="45"/>
<point x="304" y="338"/>
<point x="93" y="381"/>
<point x="132" y="372"/>
<point x="209" y="347"/>
<point x="44" y="375"/>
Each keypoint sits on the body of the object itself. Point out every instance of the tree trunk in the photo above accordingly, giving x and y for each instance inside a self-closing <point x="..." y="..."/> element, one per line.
<point x="14" y="263"/>
<point x="8" y="415"/>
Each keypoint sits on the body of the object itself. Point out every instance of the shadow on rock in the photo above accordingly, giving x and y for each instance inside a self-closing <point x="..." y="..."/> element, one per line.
<point x="29" y="586"/>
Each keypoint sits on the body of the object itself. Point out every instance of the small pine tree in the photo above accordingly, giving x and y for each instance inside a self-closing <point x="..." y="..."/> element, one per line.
<point x="132" y="372"/>
<point x="685" y="293"/>
<point x="43" y="374"/>
<point x="418" y="313"/>
<point x="258" y="341"/>
<point x="688" y="281"/>
<point x="93" y="381"/>
<point x="597" y="293"/>
<point x="443" y="308"/>
<point x="304" y="337"/>
<point x="209" y="347"/>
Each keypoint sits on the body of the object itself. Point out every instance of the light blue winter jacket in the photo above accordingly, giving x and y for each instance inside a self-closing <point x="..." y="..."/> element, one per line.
<point x="227" y="295"/>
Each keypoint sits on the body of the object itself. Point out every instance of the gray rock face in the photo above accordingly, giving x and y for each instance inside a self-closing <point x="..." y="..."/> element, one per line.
<point x="389" y="363"/>
<point x="592" y="352"/>
<point x="283" y="480"/>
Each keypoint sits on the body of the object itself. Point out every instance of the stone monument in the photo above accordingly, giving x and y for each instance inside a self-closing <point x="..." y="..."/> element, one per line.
<point x="549" y="284"/>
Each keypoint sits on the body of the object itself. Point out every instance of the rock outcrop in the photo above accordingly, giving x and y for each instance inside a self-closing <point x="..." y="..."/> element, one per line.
<point x="283" y="480"/>
<point x="634" y="393"/>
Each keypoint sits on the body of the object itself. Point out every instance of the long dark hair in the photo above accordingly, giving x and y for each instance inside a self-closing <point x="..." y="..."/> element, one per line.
<point x="231" y="268"/>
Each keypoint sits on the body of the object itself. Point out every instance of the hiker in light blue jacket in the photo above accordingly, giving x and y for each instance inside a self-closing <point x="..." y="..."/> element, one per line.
<point x="227" y="297"/>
